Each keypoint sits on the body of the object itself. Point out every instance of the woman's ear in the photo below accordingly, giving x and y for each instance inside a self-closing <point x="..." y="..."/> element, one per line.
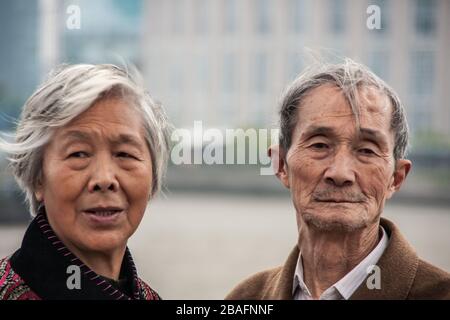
<point x="277" y="154"/>
<point x="39" y="196"/>
<point x="39" y="190"/>
<point x="402" y="168"/>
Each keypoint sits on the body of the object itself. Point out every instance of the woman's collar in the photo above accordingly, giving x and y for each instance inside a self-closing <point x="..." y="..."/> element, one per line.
<point x="50" y="269"/>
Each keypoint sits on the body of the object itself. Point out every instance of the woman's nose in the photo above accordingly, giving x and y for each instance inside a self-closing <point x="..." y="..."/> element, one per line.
<point x="103" y="177"/>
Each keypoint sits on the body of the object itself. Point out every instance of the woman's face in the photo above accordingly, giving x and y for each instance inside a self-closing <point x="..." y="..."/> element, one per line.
<point x="97" y="177"/>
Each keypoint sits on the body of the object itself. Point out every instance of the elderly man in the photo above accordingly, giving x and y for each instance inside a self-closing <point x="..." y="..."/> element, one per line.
<point x="341" y="154"/>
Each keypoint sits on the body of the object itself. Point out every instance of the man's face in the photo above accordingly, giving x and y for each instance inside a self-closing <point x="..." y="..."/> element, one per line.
<point x="339" y="176"/>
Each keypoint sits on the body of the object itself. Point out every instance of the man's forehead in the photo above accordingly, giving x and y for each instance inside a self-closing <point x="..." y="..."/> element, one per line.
<point x="328" y="102"/>
<point x="374" y="100"/>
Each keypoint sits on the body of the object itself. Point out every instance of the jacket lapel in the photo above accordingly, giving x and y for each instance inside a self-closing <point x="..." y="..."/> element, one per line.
<point x="280" y="288"/>
<point x="398" y="266"/>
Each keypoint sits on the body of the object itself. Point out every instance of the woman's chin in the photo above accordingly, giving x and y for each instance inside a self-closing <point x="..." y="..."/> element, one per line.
<point x="108" y="241"/>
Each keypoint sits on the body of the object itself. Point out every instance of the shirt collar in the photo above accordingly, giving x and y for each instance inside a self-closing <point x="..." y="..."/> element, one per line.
<point x="345" y="287"/>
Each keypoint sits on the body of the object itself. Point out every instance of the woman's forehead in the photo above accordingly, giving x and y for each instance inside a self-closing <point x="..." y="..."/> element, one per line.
<point x="113" y="119"/>
<point x="114" y="110"/>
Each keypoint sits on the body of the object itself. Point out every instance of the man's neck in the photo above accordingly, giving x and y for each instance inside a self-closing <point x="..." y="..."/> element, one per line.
<point x="328" y="256"/>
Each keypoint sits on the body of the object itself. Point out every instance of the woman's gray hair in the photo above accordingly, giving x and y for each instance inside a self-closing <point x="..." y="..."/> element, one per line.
<point x="69" y="91"/>
<point x="349" y="76"/>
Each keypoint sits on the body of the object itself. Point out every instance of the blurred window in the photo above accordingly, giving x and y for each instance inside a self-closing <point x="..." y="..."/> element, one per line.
<point x="229" y="73"/>
<point x="177" y="15"/>
<point x="201" y="16"/>
<point x="154" y="19"/>
<point x="260" y="73"/>
<point x="263" y="13"/>
<point x="337" y="19"/>
<point x="422" y="86"/>
<point x="230" y="16"/>
<point x="297" y="15"/>
<point x="203" y="80"/>
<point x="176" y="76"/>
<point x="422" y="67"/>
<point x="293" y="66"/>
<point x="425" y="17"/>
<point x="378" y="62"/>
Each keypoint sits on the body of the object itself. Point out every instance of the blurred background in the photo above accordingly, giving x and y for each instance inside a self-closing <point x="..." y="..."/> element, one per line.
<point x="225" y="63"/>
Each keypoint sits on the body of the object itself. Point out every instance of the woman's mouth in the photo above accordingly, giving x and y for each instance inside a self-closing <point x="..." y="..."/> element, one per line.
<point x="103" y="215"/>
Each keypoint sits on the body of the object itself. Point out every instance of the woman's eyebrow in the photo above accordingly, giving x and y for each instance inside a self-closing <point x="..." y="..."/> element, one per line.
<point x="123" y="138"/>
<point x="127" y="139"/>
<point x="74" y="135"/>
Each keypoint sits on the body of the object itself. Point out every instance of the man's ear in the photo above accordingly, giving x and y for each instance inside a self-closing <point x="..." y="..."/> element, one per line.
<point x="277" y="154"/>
<point x="402" y="168"/>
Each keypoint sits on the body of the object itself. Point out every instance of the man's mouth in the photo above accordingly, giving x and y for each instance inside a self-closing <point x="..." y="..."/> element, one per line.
<point x="337" y="200"/>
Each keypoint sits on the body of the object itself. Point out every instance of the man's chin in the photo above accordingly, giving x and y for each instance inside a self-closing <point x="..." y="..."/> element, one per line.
<point x="334" y="222"/>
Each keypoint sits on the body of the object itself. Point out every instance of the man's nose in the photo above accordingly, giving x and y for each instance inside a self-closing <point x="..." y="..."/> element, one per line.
<point x="103" y="176"/>
<point x="341" y="171"/>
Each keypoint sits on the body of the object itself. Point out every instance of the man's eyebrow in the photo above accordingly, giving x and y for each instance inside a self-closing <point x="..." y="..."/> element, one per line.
<point x="373" y="135"/>
<point x="318" y="131"/>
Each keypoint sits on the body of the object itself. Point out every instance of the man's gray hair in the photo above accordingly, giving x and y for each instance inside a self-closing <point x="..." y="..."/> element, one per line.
<point x="69" y="91"/>
<point x="349" y="76"/>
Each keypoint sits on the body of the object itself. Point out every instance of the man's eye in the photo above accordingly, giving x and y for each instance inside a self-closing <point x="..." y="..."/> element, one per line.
<point x="319" y="146"/>
<point x="78" y="154"/>
<point x="366" y="151"/>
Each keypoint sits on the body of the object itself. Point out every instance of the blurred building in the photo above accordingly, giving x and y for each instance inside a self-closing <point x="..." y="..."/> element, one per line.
<point x="19" y="62"/>
<point x="109" y="32"/>
<point x="226" y="62"/>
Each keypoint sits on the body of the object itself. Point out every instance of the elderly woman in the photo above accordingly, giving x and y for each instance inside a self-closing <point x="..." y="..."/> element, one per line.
<point x="90" y="151"/>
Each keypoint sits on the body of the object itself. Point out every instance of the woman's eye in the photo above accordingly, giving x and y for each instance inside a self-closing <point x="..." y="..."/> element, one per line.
<point x="319" y="146"/>
<point x="78" y="154"/>
<point x="124" y="155"/>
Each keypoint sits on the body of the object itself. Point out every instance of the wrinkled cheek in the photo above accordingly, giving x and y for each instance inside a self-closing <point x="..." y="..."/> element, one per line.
<point x="302" y="185"/>
<point x="377" y="186"/>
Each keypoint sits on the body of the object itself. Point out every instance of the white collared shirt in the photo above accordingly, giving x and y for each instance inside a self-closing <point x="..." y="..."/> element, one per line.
<point x="345" y="287"/>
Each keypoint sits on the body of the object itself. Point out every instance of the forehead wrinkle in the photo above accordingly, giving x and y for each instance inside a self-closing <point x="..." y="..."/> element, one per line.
<point x="373" y="100"/>
<point x="335" y="115"/>
<point x="114" y="139"/>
